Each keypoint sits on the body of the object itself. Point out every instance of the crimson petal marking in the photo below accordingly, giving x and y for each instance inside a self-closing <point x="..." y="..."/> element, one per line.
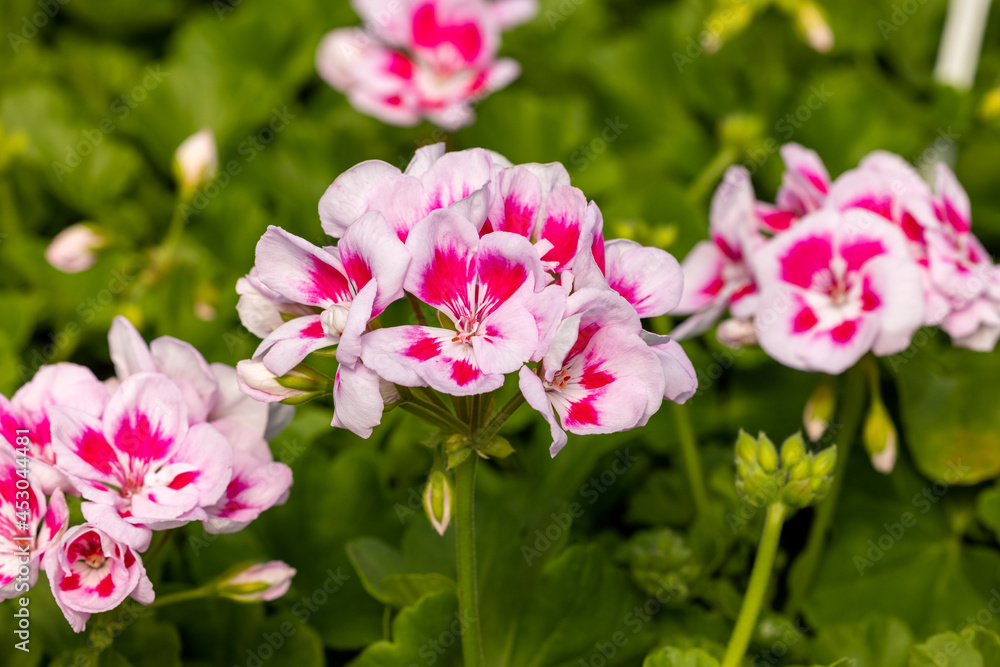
<point x="805" y="259"/>
<point x="844" y="332"/>
<point x="856" y="254"/>
<point x="140" y="439"/>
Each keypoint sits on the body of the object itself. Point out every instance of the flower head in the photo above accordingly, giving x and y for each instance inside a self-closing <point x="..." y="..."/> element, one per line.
<point x="73" y="249"/>
<point x="258" y="583"/>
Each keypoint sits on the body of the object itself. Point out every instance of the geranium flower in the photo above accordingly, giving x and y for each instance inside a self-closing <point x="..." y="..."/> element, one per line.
<point x="432" y="180"/>
<point x="29" y="525"/>
<point x="835" y="286"/>
<point x="350" y="283"/>
<point x="422" y="58"/>
<point x="492" y="291"/>
<point x="90" y="572"/>
<point x="62" y="384"/>
<point x="143" y="465"/>
<point x="598" y="375"/>
<point x="717" y="274"/>
<point x="805" y="185"/>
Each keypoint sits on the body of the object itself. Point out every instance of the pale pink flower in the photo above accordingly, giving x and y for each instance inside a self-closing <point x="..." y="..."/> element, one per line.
<point x="90" y="572"/>
<point x="804" y="187"/>
<point x="422" y="58"/>
<point x="196" y="161"/>
<point x="835" y="286"/>
<point x="63" y="384"/>
<point x="493" y="291"/>
<point x="29" y="525"/>
<point x="144" y="465"/>
<point x="598" y="375"/>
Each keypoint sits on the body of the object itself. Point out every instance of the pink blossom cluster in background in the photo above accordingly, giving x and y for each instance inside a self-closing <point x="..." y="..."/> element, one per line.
<point x="513" y="260"/>
<point x="416" y="59"/>
<point x="835" y="268"/>
<point x="169" y="440"/>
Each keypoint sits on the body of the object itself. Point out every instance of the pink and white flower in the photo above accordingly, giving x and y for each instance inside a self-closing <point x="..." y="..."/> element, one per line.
<point x="717" y="274"/>
<point x="350" y="284"/>
<point x="805" y="185"/>
<point x="650" y="279"/>
<point x="90" y="572"/>
<point x="965" y="283"/>
<point x="433" y="180"/>
<point x="258" y="482"/>
<point x="492" y="289"/>
<point x="144" y="465"/>
<point x="29" y="525"/>
<point x="62" y="384"/>
<point x="599" y="375"/>
<point x="835" y="286"/>
<point x="422" y="58"/>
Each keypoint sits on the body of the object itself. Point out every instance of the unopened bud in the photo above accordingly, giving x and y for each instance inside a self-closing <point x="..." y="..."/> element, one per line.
<point x="296" y="386"/>
<point x="819" y="410"/>
<point x="196" y="162"/>
<point x="767" y="454"/>
<point x="258" y="583"/>
<point x="880" y="437"/>
<point x="437" y="501"/>
<point x="824" y="462"/>
<point x="746" y="447"/>
<point x="73" y="249"/>
<point x="811" y="22"/>
<point x="793" y="450"/>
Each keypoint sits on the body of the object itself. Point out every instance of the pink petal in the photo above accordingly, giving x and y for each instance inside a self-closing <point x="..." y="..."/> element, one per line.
<point x="300" y="271"/>
<point x="534" y="394"/>
<point x="357" y="399"/>
<point x="648" y="278"/>
<point x="292" y="342"/>
<point x="129" y="351"/>
<point x="147" y="418"/>
<point x="347" y="197"/>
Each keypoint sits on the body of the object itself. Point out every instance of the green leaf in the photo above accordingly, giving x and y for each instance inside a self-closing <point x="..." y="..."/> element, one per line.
<point x="974" y="647"/>
<point x="988" y="507"/>
<point x="951" y="425"/>
<point x="429" y="632"/>
<point x="675" y="657"/>
<point x="148" y="643"/>
<point x="92" y="658"/>
<point x="283" y="641"/>
<point x="876" y="642"/>
<point x="887" y="537"/>
<point x="382" y="571"/>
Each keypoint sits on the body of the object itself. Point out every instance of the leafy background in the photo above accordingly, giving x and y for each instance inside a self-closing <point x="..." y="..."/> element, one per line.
<point x="93" y="103"/>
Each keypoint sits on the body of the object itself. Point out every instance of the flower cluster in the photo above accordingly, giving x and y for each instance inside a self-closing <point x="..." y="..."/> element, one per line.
<point x="169" y="440"/>
<point x="514" y="262"/>
<point x="835" y="268"/>
<point x="417" y="59"/>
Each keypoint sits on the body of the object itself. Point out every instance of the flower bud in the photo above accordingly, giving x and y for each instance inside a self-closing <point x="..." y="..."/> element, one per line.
<point x="793" y="450"/>
<point x="746" y="447"/>
<point x="812" y="24"/>
<point x="880" y="437"/>
<point x="258" y="583"/>
<point x="824" y="462"/>
<point x="72" y="249"/>
<point x="437" y="501"/>
<point x="800" y="470"/>
<point x="196" y="162"/>
<point x="819" y="410"/>
<point x="262" y="385"/>
<point x="767" y="455"/>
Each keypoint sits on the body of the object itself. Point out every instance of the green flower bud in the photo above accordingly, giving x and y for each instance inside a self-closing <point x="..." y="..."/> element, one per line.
<point x="767" y="454"/>
<point x="800" y="470"/>
<point x="824" y="462"/>
<point x="880" y="437"/>
<point x="437" y="501"/>
<point x="819" y="409"/>
<point x="793" y="450"/>
<point x="746" y="447"/>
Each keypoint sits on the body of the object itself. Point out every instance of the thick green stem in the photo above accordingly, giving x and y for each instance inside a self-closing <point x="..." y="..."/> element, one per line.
<point x="465" y="540"/>
<point x="430" y="413"/>
<point x="759" y="578"/>
<point x="852" y="403"/>
<point x="692" y="460"/>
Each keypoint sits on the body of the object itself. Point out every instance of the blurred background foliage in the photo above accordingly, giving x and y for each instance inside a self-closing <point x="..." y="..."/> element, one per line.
<point x="95" y="96"/>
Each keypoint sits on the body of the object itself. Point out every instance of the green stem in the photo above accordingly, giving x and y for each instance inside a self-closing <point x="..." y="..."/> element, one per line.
<point x="415" y="305"/>
<point x="759" y="578"/>
<point x="849" y="419"/>
<point x="692" y="460"/>
<point x="712" y="172"/>
<point x="432" y="414"/>
<point x="183" y="596"/>
<point x="498" y="420"/>
<point x="465" y="541"/>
